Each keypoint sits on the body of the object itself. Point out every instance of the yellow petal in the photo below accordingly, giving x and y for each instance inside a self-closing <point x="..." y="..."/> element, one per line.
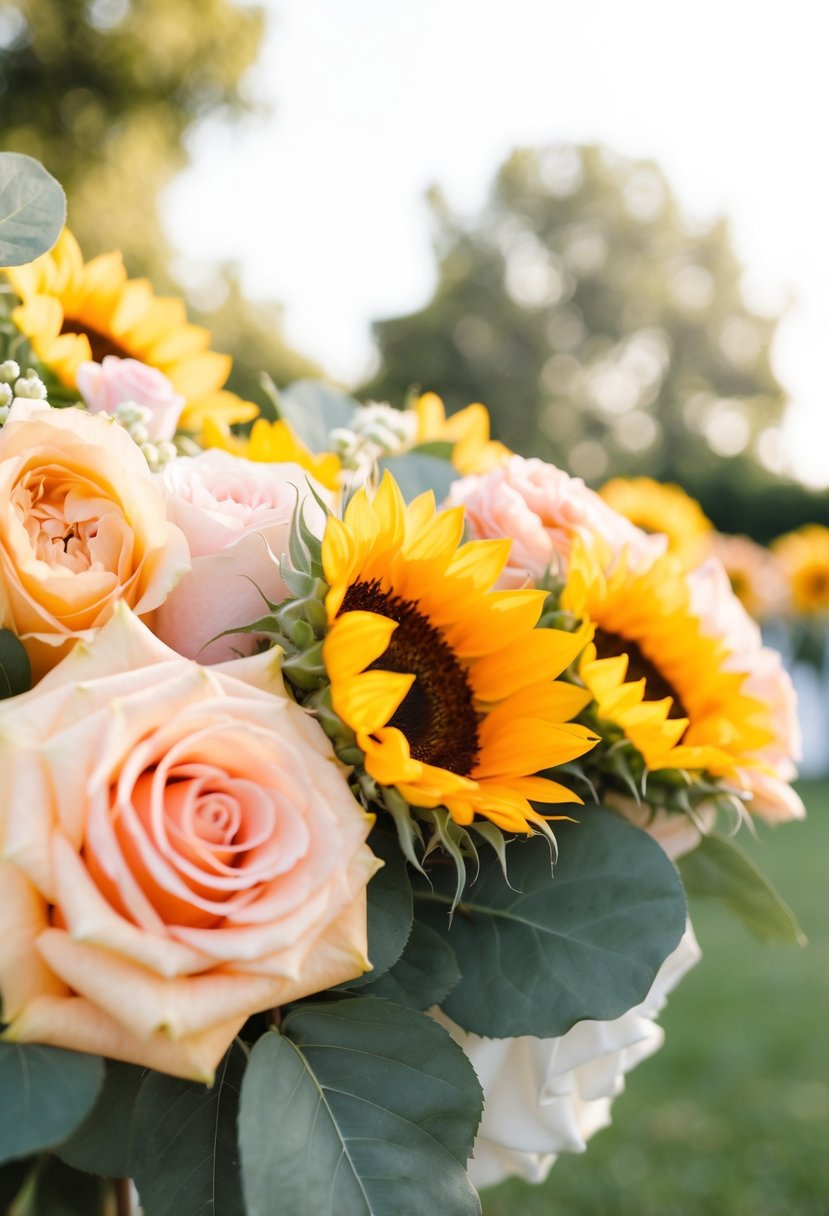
<point x="355" y="640"/>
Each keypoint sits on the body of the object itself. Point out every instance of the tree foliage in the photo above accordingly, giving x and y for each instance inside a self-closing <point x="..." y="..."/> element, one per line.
<point x="602" y="329"/>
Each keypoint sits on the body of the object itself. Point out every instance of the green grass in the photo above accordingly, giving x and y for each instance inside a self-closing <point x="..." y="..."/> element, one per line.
<point x="731" y="1117"/>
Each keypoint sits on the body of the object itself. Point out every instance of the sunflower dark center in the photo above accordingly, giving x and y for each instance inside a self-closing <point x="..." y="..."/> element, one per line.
<point x="437" y="716"/>
<point x="609" y="645"/>
<point x="101" y="344"/>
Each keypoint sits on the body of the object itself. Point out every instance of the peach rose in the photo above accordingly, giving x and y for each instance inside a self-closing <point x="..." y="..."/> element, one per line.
<point x="722" y="615"/>
<point x="82" y="525"/>
<point x="180" y="850"/>
<point x="104" y="386"/>
<point x="541" y="509"/>
<point x="236" y="515"/>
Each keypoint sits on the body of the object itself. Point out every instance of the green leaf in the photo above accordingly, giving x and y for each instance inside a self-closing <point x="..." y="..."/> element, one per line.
<point x="389" y="908"/>
<point x="12" y="1177"/>
<point x="313" y="409"/>
<point x="46" y="1093"/>
<point x="15" y="669"/>
<point x="358" y="1108"/>
<point x="424" y="975"/>
<point x="718" y="869"/>
<point x="101" y="1144"/>
<point x="61" y="1191"/>
<point x="185" y="1158"/>
<point x="547" y="952"/>
<point x="32" y="209"/>
<point x="416" y="473"/>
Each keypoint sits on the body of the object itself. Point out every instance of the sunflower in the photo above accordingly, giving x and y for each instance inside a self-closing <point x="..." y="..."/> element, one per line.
<point x="448" y="686"/>
<point x="73" y="311"/>
<point x="657" y="507"/>
<point x="655" y="675"/>
<point x="468" y="430"/>
<point x="803" y="558"/>
<point x="274" y="443"/>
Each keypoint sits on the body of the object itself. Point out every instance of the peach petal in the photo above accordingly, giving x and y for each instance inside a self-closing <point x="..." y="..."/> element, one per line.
<point x="79" y="1025"/>
<point x="90" y="919"/>
<point x="23" y="917"/>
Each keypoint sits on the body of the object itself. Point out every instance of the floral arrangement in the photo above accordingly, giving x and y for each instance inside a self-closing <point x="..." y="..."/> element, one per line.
<point x="347" y="758"/>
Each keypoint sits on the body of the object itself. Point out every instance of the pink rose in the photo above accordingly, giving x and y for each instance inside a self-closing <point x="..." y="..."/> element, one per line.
<point x="82" y="525"/>
<point x="180" y="850"/>
<point x="722" y="615"/>
<point x="541" y="510"/>
<point x="236" y="515"/>
<point x="104" y="386"/>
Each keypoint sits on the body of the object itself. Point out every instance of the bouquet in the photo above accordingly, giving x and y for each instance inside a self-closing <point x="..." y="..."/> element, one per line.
<point x="347" y="757"/>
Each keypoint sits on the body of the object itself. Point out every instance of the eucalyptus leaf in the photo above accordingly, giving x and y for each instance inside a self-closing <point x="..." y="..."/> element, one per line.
<point x="313" y="409"/>
<point x="184" y="1155"/>
<point x="101" y="1144"/>
<point x="415" y="473"/>
<point x="358" y="1108"/>
<point x="32" y="209"/>
<point x="718" y="869"/>
<point x="15" y="669"/>
<point x="46" y="1093"/>
<point x="12" y="1176"/>
<point x="548" y="951"/>
<point x="424" y="975"/>
<point x="390" y="912"/>
<point x="61" y="1191"/>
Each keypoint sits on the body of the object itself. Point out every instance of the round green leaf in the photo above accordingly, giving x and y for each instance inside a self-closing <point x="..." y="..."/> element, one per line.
<point x="15" y="669"/>
<point x="416" y="472"/>
<point x="358" y="1108"/>
<point x="548" y="951"/>
<point x="390" y="912"/>
<point x="46" y="1093"/>
<point x="32" y="209"/>
<point x="184" y="1154"/>
<point x="424" y="975"/>
<point x="101" y="1144"/>
<point x="313" y="409"/>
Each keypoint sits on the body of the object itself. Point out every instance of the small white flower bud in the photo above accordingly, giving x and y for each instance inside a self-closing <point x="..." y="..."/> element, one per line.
<point x="9" y="371"/>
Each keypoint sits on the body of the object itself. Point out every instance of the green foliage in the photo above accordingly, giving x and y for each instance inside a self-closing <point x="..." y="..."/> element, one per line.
<point x="185" y="1158"/>
<point x="101" y="1144"/>
<point x="602" y="330"/>
<point x="390" y="911"/>
<point x="15" y="669"/>
<point x="417" y="472"/>
<point x="46" y="1093"/>
<point x="552" y="949"/>
<point x="424" y="975"/>
<point x="718" y="869"/>
<point x="32" y="209"/>
<point x="61" y="1191"/>
<point x="313" y="409"/>
<point x="358" y="1108"/>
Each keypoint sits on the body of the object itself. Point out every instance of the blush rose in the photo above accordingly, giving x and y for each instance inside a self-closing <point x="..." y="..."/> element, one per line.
<point x="113" y="382"/>
<point x="236" y="515"/>
<point x="180" y="850"/>
<point x="541" y="509"/>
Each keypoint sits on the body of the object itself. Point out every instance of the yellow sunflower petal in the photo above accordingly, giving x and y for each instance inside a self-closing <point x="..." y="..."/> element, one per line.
<point x="354" y="641"/>
<point x="367" y="701"/>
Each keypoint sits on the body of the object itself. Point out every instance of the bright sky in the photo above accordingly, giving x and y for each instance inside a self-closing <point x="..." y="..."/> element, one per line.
<point x="374" y="100"/>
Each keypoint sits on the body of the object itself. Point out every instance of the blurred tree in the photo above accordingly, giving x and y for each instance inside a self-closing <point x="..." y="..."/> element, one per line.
<point x="104" y="93"/>
<point x="602" y="330"/>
